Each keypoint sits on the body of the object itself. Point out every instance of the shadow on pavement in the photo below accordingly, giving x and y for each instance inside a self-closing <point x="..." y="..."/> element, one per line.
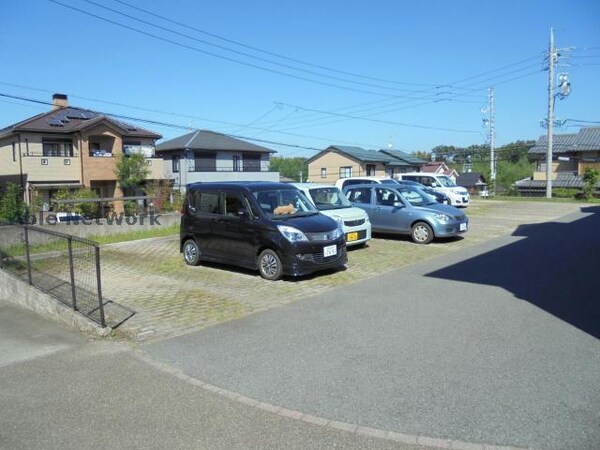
<point x="556" y="267"/>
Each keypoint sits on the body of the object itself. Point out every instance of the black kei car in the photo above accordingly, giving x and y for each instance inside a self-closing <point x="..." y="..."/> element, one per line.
<point x="267" y="226"/>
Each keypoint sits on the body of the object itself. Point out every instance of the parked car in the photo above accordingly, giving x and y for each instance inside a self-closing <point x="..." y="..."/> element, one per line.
<point x="330" y="201"/>
<point x="349" y="181"/>
<point x="439" y="196"/>
<point x="458" y="195"/>
<point x="68" y="217"/>
<point x="272" y="227"/>
<point x="345" y="182"/>
<point x="407" y="210"/>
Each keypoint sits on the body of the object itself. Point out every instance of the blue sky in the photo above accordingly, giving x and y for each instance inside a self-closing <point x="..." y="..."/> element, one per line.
<point x="418" y="71"/>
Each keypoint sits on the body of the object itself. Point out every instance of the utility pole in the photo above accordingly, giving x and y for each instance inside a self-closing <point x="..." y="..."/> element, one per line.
<point x="552" y="57"/>
<point x="492" y="138"/>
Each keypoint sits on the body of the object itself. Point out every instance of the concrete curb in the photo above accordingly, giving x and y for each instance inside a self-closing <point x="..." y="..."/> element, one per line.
<point x="19" y="292"/>
<point x="315" y="420"/>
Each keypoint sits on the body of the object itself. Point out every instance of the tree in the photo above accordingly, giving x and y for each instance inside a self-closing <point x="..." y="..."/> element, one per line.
<point x="290" y="167"/>
<point x="132" y="170"/>
<point x="590" y="178"/>
<point x="12" y="207"/>
<point x="425" y="156"/>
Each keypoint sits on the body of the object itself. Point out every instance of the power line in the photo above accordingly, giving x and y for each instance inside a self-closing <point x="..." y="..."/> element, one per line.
<point x="227" y="58"/>
<point x="278" y="55"/>
<point x="381" y="121"/>
<point x="187" y="128"/>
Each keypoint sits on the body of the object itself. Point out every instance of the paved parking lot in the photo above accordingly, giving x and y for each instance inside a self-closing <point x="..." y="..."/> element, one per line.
<point x="170" y="298"/>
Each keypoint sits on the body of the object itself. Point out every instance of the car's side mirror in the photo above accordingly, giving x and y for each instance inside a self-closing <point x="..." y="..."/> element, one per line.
<point x="398" y="205"/>
<point x="243" y="213"/>
<point x="434" y="184"/>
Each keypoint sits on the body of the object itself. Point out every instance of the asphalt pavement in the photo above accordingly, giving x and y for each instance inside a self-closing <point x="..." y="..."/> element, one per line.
<point x="495" y="344"/>
<point x="60" y="390"/>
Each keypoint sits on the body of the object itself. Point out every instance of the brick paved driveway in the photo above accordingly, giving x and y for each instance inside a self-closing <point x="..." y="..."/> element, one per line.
<point x="171" y="298"/>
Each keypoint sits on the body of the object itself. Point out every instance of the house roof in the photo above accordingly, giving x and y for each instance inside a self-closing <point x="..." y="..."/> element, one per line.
<point x="468" y="179"/>
<point x="385" y="157"/>
<point x="210" y="140"/>
<point x="563" y="180"/>
<point x="404" y="157"/>
<point x="587" y="139"/>
<point x="72" y="119"/>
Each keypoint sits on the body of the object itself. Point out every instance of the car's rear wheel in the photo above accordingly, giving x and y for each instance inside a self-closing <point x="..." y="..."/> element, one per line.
<point x="421" y="233"/>
<point x="191" y="252"/>
<point x="269" y="265"/>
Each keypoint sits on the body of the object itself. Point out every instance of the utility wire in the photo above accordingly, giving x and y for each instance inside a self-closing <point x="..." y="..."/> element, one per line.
<point x="381" y="121"/>
<point x="183" y="127"/>
<point x="278" y="55"/>
<point x="227" y="58"/>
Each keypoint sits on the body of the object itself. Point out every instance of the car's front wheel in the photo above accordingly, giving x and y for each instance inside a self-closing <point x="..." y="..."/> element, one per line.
<point x="269" y="265"/>
<point x="421" y="233"/>
<point x="191" y="252"/>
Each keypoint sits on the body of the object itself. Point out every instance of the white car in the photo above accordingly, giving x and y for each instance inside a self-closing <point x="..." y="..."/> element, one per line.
<point x="458" y="195"/>
<point x="349" y="181"/>
<point x="330" y="201"/>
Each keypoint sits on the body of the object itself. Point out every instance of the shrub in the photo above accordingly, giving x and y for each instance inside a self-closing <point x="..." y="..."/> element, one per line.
<point x="12" y="207"/>
<point x="565" y="192"/>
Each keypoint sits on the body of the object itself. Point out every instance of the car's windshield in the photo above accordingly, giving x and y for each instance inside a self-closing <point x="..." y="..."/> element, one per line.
<point x="284" y="203"/>
<point x="329" y="198"/>
<point x="446" y="181"/>
<point x="415" y="196"/>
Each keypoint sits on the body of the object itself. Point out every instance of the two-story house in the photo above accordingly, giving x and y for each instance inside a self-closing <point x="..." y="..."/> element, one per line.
<point x="209" y="156"/>
<point x="341" y="161"/>
<point x="71" y="147"/>
<point x="571" y="155"/>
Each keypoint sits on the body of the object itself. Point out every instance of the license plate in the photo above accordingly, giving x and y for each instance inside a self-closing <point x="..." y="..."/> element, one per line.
<point x="352" y="237"/>
<point x="462" y="227"/>
<point x="330" y="250"/>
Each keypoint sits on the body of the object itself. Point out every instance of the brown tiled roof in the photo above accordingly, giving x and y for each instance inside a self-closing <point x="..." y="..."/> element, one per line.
<point x="72" y="119"/>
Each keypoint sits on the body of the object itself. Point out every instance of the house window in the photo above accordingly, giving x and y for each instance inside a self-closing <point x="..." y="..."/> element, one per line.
<point x="370" y="170"/>
<point x="389" y="172"/>
<point x="205" y="162"/>
<point x="323" y="172"/>
<point x="57" y="147"/>
<point x="237" y="163"/>
<point x="346" y="172"/>
<point x="175" y="164"/>
<point x="251" y="162"/>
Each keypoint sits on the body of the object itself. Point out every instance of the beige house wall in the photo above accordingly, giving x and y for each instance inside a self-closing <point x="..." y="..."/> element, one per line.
<point x="333" y="162"/>
<point x="32" y="162"/>
<point x="9" y="163"/>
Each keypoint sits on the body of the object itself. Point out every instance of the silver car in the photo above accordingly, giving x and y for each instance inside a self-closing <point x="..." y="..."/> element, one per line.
<point x="407" y="210"/>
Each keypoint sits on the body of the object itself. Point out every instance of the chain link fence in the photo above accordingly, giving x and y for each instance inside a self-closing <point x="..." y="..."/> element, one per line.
<point x="64" y="266"/>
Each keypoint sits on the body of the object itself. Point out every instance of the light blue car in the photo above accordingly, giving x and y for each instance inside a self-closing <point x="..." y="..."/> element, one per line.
<point x="407" y="210"/>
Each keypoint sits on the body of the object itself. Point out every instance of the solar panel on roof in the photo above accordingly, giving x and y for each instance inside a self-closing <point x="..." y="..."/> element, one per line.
<point x="56" y="123"/>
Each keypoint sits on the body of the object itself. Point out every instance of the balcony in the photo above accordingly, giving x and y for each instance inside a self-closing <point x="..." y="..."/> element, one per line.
<point x="99" y="153"/>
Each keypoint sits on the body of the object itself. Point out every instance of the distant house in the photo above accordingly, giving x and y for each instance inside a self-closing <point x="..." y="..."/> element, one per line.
<point x="572" y="154"/>
<point x="71" y="147"/>
<point x="440" y="168"/>
<point x="341" y="161"/>
<point x="209" y="156"/>
<point x="474" y="182"/>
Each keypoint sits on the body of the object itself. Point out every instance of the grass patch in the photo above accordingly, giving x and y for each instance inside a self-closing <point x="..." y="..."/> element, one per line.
<point x="544" y="199"/>
<point x="134" y="235"/>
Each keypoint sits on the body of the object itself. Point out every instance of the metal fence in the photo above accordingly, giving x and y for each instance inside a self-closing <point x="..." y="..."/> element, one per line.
<point x="64" y="266"/>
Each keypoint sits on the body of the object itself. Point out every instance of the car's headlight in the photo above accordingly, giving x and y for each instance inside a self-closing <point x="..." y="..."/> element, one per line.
<point x="336" y="234"/>
<point x="292" y="234"/>
<point x="442" y="217"/>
